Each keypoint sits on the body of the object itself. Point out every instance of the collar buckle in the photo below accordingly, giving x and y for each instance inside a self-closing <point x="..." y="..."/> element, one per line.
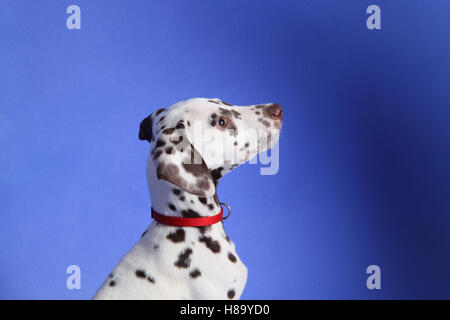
<point x="228" y="208"/>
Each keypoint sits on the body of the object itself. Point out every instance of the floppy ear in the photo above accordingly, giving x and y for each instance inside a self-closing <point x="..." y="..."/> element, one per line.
<point x="178" y="162"/>
<point x="145" y="129"/>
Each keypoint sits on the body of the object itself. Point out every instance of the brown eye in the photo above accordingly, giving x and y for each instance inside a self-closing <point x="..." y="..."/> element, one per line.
<point x="222" y="123"/>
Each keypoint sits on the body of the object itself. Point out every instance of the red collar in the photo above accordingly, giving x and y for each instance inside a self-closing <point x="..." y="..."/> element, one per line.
<point x="187" y="222"/>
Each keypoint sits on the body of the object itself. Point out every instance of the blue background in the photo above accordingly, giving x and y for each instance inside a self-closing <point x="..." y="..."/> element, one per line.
<point x="364" y="152"/>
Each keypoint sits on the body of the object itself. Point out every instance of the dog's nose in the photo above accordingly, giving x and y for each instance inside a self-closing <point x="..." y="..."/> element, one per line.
<point x="274" y="111"/>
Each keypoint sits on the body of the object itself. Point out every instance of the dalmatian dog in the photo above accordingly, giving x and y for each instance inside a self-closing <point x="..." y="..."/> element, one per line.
<point x="193" y="144"/>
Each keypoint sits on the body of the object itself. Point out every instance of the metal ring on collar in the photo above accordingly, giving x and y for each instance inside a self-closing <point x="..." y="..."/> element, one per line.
<point x="229" y="210"/>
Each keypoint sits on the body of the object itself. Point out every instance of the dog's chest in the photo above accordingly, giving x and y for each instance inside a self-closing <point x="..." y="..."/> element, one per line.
<point x="178" y="263"/>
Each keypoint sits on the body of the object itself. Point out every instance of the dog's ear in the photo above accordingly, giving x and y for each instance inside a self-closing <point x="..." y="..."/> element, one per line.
<point x="178" y="162"/>
<point x="145" y="129"/>
<point x="146" y="126"/>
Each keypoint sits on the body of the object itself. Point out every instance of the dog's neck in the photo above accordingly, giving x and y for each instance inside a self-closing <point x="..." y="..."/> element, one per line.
<point x="169" y="200"/>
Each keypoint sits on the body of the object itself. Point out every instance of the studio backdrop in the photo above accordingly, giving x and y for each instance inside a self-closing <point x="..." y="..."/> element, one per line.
<point x="358" y="205"/>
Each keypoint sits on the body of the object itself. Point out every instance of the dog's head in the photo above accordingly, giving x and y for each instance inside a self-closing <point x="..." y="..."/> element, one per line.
<point x="197" y="141"/>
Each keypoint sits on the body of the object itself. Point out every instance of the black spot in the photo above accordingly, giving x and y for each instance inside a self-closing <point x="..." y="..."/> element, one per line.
<point x="155" y="246"/>
<point x="157" y="154"/>
<point x="172" y="207"/>
<point x="236" y="114"/>
<point x="228" y="104"/>
<point x="160" y="143"/>
<point x="210" y="206"/>
<point x="203" y="229"/>
<point x="180" y="126"/>
<point x="169" y="150"/>
<point x="225" y="112"/>
<point x="176" y="192"/>
<point x="211" y="244"/>
<point x="182" y="198"/>
<point x="168" y="131"/>
<point x="195" y="273"/>
<point x="202" y="200"/>
<point x="189" y="213"/>
<point x="161" y="119"/>
<point x="112" y="283"/>
<point x="213" y="121"/>
<point x="175" y="142"/>
<point x="235" y="143"/>
<point x="188" y="123"/>
<point x="183" y="259"/>
<point x="217" y="173"/>
<point x="159" y="111"/>
<point x="140" y="273"/>
<point x="246" y="145"/>
<point x="145" y="232"/>
<point x="232" y="257"/>
<point x="231" y="294"/>
<point x="177" y="236"/>
<point x="213" y="101"/>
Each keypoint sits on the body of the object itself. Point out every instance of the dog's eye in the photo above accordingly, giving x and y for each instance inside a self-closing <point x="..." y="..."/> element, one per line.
<point x="223" y="123"/>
